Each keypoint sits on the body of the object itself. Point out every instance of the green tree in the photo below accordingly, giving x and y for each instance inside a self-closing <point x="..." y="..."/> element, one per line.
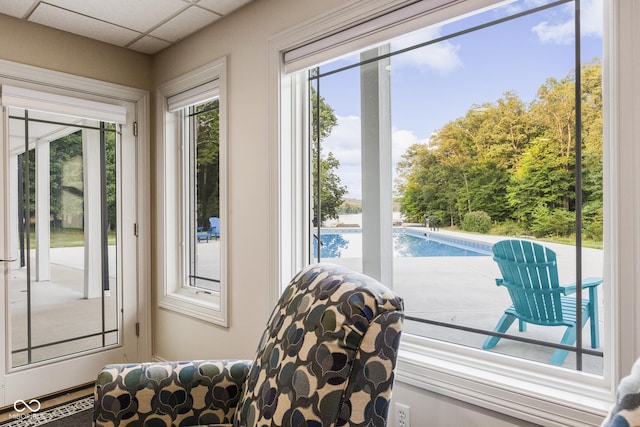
<point x="425" y="185"/>
<point x="592" y="195"/>
<point x="509" y="159"/>
<point x="331" y="194"/>
<point x="474" y="155"/>
<point x="207" y="151"/>
<point x="540" y="178"/>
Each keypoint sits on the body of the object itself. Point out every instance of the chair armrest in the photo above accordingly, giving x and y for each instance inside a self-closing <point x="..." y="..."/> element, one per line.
<point x="587" y="283"/>
<point x="176" y="393"/>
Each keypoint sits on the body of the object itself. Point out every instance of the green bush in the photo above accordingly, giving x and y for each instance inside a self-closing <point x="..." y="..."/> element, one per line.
<point x="476" y="222"/>
<point x="592" y="218"/>
<point x="508" y="228"/>
<point x="552" y="222"/>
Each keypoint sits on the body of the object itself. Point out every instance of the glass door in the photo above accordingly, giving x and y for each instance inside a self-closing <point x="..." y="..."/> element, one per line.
<point x="63" y="294"/>
<point x="70" y="255"/>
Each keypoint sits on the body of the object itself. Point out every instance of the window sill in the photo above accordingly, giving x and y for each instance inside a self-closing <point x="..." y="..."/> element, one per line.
<point x="202" y="306"/>
<point x="547" y="396"/>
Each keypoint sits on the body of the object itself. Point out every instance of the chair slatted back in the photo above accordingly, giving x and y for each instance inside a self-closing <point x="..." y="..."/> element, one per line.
<point x="530" y="273"/>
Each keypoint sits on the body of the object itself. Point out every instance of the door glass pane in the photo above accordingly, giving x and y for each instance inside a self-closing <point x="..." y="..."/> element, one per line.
<point x="63" y="292"/>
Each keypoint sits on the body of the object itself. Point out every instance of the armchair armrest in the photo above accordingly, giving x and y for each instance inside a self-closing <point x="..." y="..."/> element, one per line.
<point x="174" y="393"/>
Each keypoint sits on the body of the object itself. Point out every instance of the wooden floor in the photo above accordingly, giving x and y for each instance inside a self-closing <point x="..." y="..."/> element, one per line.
<point x="51" y="400"/>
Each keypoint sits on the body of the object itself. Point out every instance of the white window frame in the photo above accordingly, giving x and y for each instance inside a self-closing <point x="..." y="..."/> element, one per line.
<point x="173" y="290"/>
<point x="526" y="390"/>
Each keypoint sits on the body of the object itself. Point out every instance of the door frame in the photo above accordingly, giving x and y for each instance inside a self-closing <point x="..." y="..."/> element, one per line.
<point x="28" y="382"/>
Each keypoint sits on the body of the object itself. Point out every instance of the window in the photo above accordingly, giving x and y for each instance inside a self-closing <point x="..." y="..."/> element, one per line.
<point x="393" y="122"/>
<point x="462" y="136"/>
<point x="193" y="126"/>
<point x="201" y="159"/>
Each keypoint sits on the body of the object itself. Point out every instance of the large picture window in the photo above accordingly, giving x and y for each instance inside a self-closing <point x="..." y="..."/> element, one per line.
<point x="425" y="149"/>
<point x="429" y="149"/>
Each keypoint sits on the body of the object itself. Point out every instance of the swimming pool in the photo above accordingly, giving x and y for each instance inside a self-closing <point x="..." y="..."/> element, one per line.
<point x="406" y="243"/>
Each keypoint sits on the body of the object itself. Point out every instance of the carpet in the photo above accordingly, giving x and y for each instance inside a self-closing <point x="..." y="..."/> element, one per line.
<point x="77" y="413"/>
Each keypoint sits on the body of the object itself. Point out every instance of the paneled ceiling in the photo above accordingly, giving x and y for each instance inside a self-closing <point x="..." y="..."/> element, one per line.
<point x="146" y="26"/>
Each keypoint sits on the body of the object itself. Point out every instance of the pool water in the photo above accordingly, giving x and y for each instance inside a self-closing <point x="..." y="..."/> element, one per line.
<point x="349" y="245"/>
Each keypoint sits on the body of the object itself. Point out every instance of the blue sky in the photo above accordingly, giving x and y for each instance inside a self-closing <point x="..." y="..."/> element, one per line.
<point x="439" y="83"/>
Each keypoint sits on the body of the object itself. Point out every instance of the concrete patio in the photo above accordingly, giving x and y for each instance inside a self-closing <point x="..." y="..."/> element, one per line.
<point x="462" y="291"/>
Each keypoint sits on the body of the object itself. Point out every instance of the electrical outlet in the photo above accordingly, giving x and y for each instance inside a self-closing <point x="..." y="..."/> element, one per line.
<point x="403" y="415"/>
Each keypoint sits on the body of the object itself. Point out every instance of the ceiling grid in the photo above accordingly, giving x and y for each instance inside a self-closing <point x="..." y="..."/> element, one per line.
<point x="146" y="26"/>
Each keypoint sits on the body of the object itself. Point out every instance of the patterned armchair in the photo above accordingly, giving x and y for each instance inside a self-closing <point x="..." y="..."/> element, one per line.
<point x="326" y="358"/>
<point x="626" y="412"/>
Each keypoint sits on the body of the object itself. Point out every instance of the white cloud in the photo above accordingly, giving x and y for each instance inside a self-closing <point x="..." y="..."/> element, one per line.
<point x="562" y="33"/>
<point x="344" y="143"/>
<point x="441" y="57"/>
<point x="562" y="30"/>
<point x="592" y="18"/>
<point x="403" y="139"/>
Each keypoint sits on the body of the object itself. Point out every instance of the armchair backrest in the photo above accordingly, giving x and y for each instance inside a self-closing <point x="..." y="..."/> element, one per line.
<point x="328" y="354"/>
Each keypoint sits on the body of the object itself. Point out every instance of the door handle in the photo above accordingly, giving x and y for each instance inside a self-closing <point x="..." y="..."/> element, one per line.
<point x="8" y="260"/>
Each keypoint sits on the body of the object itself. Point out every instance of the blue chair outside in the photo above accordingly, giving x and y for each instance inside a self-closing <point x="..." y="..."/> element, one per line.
<point x="201" y="234"/>
<point x="212" y="233"/>
<point x="214" y="227"/>
<point x="530" y="274"/>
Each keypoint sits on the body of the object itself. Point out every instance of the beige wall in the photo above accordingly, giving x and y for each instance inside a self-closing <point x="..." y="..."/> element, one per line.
<point x="40" y="46"/>
<point x="243" y="37"/>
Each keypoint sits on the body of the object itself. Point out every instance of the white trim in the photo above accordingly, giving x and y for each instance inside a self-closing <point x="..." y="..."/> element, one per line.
<point x="195" y="95"/>
<point x="530" y="391"/>
<point x="30" y="99"/>
<point x="621" y="93"/>
<point x="535" y="392"/>
<point x="362" y="35"/>
<point x="364" y="24"/>
<point x="56" y="82"/>
<point x="172" y="294"/>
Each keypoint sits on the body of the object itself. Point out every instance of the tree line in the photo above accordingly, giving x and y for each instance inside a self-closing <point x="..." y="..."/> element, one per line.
<point x="512" y="164"/>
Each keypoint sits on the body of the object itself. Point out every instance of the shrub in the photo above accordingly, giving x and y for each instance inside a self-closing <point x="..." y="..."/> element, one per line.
<point x="477" y="222"/>
<point x="592" y="218"/>
<point x="508" y="228"/>
<point x="552" y="222"/>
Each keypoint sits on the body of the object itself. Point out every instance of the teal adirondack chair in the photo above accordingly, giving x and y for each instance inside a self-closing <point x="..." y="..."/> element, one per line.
<point x="530" y="274"/>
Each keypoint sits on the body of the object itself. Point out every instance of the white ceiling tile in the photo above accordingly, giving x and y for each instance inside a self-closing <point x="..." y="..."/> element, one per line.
<point x="222" y="7"/>
<point x="149" y="45"/>
<point x="17" y="8"/>
<point x="188" y="22"/>
<point x="78" y="24"/>
<point x="139" y="15"/>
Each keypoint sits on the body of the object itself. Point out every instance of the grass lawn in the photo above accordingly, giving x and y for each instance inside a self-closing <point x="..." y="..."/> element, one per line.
<point x="69" y="237"/>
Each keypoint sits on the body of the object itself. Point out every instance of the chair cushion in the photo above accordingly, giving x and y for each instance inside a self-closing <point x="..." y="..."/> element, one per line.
<point x="327" y="355"/>
<point x="169" y="393"/>
<point x="626" y="412"/>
